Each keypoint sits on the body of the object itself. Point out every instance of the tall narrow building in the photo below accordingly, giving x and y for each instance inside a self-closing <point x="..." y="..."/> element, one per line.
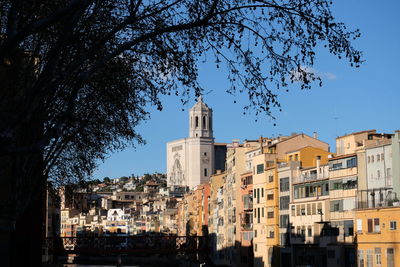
<point x="190" y="161"/>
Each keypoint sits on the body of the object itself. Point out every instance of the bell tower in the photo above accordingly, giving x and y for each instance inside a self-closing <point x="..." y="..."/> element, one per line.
<point x="200" y="120"/>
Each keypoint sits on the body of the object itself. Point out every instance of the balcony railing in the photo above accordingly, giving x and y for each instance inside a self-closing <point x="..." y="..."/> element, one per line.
<point x="309" y="178"/>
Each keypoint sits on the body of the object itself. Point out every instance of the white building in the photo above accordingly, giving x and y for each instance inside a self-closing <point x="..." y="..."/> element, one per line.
<point x="118" y="221"/>
<point x="190" y="161"/>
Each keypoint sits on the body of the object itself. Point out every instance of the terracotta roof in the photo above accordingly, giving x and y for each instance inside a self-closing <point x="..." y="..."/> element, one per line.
<point x="366" y="131"/>
<point x="291" y="137"/>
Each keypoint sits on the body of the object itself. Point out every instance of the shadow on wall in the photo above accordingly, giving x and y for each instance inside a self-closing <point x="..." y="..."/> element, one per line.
<point x="238" y="255"/>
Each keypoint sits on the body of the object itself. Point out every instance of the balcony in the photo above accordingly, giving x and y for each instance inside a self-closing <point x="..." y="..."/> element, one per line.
<point x="377" y="198"/>
<point x="309" y="178"/>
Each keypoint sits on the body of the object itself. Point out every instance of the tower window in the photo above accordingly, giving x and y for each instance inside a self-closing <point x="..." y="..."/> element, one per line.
<point x="205" y="172"/>
<point x="204" y="122"/>
<point x="197" y="121"/>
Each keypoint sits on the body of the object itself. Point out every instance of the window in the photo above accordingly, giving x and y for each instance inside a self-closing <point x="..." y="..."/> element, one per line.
<point x="308" y="209"/>
<point x="270" y="214"/>
<point x="293" y="210"/>
<point x="348" y="228"/>
<point x="309" y="231"/>
<point x="377" y="228"/>
<point x="337" y="185"/>
<point x="351" y="162"/>
<point x="378" y="157"/>
<point x="372" y="159"/>
<point x="336" y="205"/>
<point x="303" y="231"/>
<point x="262" y="212"/>
<point x="313" y="209"/>
<point x="393" y="225"/>
<point x="255" y="235"/>
<point x="369" y="258"/>
<point x="378" y="173"/>
<point x="271" y="178"/>
<point x="204" y="122"/>
<point x="262" y="192"/>
<point x="360" y="258"/>
<point x="260" y="168"/>
<point x="303" y="211"/>
<point x="283" y="221"/>
<point x="197" y="121"/>
<point x="290" y="158"/>
<point x="370" y="225"/>
<point x="258" y="195"/>
<point x="271" y="234"/>
<point x="359" y="225"/>
<point x="389" y="176"/>
<point x="284" y="184"/>
<point x="378" y="256"/>
<point x="270" y="197"/>
<point x="284" y="203"/>
<point x="390" y="257"/>
<point x="296" y="157"/>
<point x="205" y="172"/>
<point x="296" y="192"/>
<point x="382" y="157"/>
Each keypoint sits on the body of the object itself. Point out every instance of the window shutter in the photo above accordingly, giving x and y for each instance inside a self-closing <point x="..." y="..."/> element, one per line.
<point x="359" y="225"/>
<point x="369" y="225"/>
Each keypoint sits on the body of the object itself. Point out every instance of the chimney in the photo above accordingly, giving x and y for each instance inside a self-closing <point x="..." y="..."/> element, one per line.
<point x="318" y="159"/>
<point x="315" y="135"/>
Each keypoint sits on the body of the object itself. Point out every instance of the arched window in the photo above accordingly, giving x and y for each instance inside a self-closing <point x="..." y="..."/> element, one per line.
<point x="197" y="121"/>
<point x="204" y="122"/>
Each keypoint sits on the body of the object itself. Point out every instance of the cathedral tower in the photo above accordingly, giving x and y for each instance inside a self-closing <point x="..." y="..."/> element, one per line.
<point x="190" y="161"/>
<point x="200" y="120"/>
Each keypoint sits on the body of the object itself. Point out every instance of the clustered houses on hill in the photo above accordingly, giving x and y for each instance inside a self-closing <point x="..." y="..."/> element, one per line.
<point x="110" y="209"/>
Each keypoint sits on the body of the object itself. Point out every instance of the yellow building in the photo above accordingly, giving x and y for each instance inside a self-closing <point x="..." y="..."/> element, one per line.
<point x="378" y="237"/>
<point x="261" y="164"/>
<point x="272" y="213"/>
<point x="308" y="156"/>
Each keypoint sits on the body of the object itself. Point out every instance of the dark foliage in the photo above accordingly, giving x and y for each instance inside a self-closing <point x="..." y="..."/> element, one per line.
<point x="88" y="70"/>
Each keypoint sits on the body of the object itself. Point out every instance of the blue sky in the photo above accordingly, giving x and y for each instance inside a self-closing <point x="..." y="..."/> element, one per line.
<point x="350" y="99"/>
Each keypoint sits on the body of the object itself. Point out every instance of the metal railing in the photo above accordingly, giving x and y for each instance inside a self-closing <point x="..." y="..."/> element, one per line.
<point x="309" y="178"/>
<point x="105" y="245"/>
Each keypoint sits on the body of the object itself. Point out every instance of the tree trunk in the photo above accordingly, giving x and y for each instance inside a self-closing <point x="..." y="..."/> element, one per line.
<point x="22" y="183"/>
